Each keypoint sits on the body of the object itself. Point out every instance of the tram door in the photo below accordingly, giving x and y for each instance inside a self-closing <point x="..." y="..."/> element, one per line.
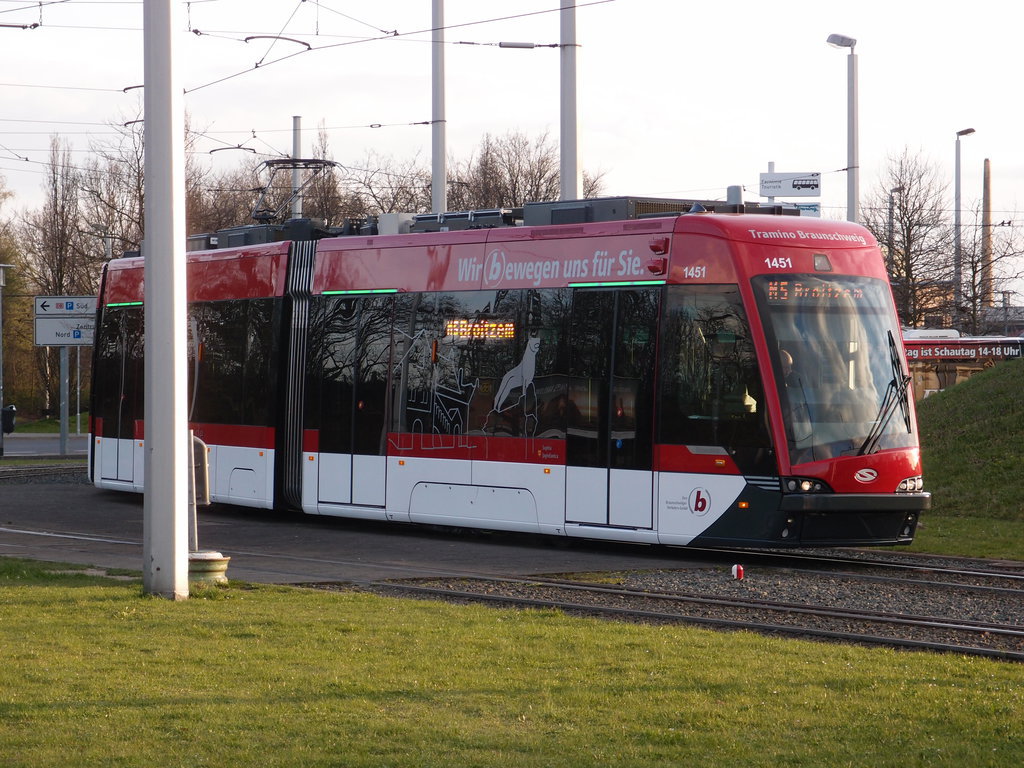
<point x="119" y="391"/>
<point x="609" y="434"/>
<point x="119" y="454"/>
<point x="353" y="355"/>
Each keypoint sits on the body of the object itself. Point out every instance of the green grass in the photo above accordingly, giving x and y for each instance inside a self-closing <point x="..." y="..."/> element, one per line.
<point x="95" y="673"/>
<point x="35" y="461"/>
<point x="972" y="448"/>
<point x="50" y="425"/>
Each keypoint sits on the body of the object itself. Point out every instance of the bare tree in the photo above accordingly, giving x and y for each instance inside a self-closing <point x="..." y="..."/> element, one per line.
<point x="510" y="170"/>
<point x="593" y="184"/>
<point x="226" y="199"/>
<point x="907" y="213"/>
<point x="113" y="186"/>
<point x="51" y="257"/>
<point x="325" y="198"/>
<point x="919" y="261"/>
<point x="21" y="374"/>
<point x="991" y="258"/>
<point x="506" y="172"/>
<point x="50" y="237"/>
<point x="387" y="185"/>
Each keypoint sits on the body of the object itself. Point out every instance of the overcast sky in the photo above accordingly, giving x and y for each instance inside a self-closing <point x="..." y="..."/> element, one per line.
<point x="675" y="99"/>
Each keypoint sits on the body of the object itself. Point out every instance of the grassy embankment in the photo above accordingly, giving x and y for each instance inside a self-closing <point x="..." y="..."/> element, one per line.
<point x="972" y="438"/>
<point x="96" y="674"/>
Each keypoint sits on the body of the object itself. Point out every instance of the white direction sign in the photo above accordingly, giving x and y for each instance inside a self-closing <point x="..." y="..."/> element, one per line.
<point x="65" y="306"/>
<point x="791" y="184"/>
<point x="65" y="331"/>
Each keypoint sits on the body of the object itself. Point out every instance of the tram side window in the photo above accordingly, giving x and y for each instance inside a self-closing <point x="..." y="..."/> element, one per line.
<point x="233" y="358"/>
<point x="331" y="354"/>
<point x="519" y="358"/>
<point x="547" y="318"/>
<point x="710" y="386"/>
<point x="479" y="362"/>
<point x="349" y="353"/>
<point x="448" y="348"/>
<point x="119" y="375"/>
<point x="373" y="358"/>
<point x="485" y="332"/>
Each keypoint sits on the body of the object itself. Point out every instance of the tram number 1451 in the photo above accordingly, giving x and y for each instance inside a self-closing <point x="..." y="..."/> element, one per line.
<point x="778" y="263"/>
<point x="695" y="273"/>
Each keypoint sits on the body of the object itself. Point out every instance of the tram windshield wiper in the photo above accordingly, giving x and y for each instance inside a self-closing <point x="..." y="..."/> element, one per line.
<point x="895" y="394"/>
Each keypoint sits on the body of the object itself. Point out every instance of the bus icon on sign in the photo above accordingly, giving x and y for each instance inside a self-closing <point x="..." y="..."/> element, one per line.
<point x="805" y="183"/>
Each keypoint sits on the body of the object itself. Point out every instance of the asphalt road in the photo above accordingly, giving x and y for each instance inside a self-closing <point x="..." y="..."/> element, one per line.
<point x="22" y="445"/>
<point x="78" y="523"/>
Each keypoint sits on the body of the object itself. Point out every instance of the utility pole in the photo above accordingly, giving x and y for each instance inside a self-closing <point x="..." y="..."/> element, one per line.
<point x="165" y="499"/>
<point x="296" y="171"/>
<point x="569" y="166"/>
<point x="987" y="288"/>
<point x="439" y="162"/>
<point x="3" y="273"/>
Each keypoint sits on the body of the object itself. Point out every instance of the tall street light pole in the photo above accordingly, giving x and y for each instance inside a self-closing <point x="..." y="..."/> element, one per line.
<point x="3" y="272"/>
<point x="569" y="176"/>
<point x="438" y="141"/>
<point x="852" y="162"/>
<point x="958" y="264"/>
<point x="569" y="170"/>
<point x="569" y="173"/>
<point x="167" y="445"/>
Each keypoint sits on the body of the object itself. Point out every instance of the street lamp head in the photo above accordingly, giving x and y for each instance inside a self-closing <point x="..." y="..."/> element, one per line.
<point x="965" y="132"/>
<point x="841" y="41"/>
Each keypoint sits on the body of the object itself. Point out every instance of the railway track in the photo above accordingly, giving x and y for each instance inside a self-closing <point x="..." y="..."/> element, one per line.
<point x="43" y="473"/>
<point x="945" y="604"/>
<point x="895" y="599"/>
<point x="885" y="565"/>
<point x="741" y="612"/>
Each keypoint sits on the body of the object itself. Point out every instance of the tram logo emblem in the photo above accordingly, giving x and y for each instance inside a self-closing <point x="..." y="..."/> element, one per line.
<point x="699" y="501"/>
<point x="865" y="476"/>
<point x="494" y="268"/>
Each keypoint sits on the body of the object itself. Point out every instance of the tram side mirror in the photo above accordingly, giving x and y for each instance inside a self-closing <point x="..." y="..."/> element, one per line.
<point x="7" y="419"/>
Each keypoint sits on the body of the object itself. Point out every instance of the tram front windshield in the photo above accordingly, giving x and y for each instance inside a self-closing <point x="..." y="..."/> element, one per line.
<point x="838" y="364"/>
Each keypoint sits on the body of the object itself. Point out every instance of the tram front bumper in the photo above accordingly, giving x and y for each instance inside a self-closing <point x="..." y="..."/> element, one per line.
<point x="847" y="519"/>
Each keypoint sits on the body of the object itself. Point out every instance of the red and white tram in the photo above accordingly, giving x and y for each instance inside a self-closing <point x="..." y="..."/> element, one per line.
<point x="685" y="379"/>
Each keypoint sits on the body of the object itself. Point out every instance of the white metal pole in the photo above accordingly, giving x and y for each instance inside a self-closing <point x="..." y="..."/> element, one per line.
<point x="853" y="161"/>
<point x="64" y="394"/>
<point x="3" y="281"/>
<point x="78" y="390"/>
<point x="569" y="168"/>
<point x="296" y="173"/>
<point x="165" y="505"/>
<point x="957" y="254"/>
<point x="439" y="163"/>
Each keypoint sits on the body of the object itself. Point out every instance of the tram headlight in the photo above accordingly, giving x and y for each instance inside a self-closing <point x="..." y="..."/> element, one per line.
<point x="804" y="485"/>
<point x="911" y="485"/>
